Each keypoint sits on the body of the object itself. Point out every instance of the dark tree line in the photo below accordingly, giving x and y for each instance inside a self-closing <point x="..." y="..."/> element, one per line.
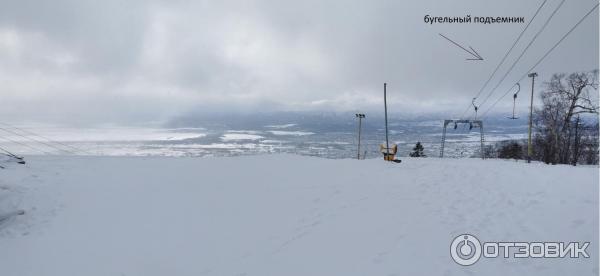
<point x="511" y="150"/>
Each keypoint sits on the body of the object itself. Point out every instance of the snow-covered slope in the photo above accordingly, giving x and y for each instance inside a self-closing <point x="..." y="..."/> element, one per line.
<point x="287" y="215"/>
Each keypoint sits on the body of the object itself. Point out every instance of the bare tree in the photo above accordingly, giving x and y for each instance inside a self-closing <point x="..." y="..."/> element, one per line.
<point x="564" y="98"/>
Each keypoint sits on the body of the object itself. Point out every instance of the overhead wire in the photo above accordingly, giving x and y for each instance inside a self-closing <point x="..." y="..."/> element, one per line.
<point x="506" y="55"/>
<point x="8" y="153"/>
<point x="523" y="52"/>
<point x="543" y="57"/>
<point x="31" y="139"/>
<point x="25" y="145"/>
<point x="42" y="137"/>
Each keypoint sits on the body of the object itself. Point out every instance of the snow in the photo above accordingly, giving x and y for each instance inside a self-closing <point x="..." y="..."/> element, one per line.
<point x="280" y="126"/>
<point x="287" y="215"/>
<point x="290" y="133"/>
<point x="240" y="136"/>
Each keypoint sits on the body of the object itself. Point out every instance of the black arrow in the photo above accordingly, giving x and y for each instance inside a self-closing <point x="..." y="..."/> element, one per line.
<point x="472" y="52"/>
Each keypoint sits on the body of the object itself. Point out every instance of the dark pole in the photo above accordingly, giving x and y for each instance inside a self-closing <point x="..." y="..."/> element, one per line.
<point x="359" y="116"/>
<point x="514" y="103"/>
<point x="529" y="146"/>
<point x="576" y="153"/>
<point x="358" y="150"/>
<point x="387" y="143"/>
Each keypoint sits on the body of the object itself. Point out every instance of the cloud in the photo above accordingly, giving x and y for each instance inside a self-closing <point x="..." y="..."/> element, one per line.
<point x="139" y="61"/>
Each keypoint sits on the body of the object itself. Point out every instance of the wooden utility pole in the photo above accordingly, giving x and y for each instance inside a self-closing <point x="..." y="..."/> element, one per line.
<point x="387" y="143"/>
<point x="529" y="146"/>
<point x="359" y="116"/>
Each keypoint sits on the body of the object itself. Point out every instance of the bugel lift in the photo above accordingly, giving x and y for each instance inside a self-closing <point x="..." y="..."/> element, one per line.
<point x="515" y="101"/>
<point x="475" y="107"/>
<point x="472" y="124"/>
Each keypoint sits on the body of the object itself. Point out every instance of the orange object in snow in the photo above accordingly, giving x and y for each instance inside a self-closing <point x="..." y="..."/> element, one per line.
<point x="388" y="154"/>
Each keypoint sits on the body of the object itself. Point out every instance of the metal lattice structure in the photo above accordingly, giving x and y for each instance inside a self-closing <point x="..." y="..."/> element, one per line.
<point x="472" y="124"/>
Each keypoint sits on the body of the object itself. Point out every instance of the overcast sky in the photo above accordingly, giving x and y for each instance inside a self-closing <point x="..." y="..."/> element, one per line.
<point x="140" y="61"/>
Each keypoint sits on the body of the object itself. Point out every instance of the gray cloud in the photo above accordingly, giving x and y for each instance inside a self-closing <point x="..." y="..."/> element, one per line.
<point x="137" y="61"/>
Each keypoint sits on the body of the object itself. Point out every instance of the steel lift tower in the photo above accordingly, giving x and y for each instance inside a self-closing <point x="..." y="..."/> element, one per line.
<point x="472" y="124"/>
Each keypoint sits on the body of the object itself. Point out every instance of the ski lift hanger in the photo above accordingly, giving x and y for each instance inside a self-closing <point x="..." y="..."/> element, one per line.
<point x="474" y="106"/>
<point x="515" y="101"/>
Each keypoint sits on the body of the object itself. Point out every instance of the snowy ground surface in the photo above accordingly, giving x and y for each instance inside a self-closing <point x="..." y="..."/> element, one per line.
<point x="287" y="215"/>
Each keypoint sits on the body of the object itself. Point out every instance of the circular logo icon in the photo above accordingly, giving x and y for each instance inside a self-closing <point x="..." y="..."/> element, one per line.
<point x="465" y="249"/>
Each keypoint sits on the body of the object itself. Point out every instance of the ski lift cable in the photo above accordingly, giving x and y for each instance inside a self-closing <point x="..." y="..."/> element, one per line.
<point x="31" y="139"/>
<point x="35" y="140"/>
<point x="506" y="55"/>
<point x="25" y="145"/>
<point x="523" y="52"/>
<point x="510" y="49"/>
<point x="465" y="112"/>
<point x="9" y="153"/>
<point x="543" y="57"/>
<point x="42" y="137"/>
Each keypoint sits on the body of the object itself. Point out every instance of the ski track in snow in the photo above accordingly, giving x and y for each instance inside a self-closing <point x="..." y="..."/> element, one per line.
<point x="287" y="215"/>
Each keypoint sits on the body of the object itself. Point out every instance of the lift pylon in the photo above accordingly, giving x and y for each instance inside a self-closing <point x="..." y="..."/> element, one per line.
<point x="472" y="124"/>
